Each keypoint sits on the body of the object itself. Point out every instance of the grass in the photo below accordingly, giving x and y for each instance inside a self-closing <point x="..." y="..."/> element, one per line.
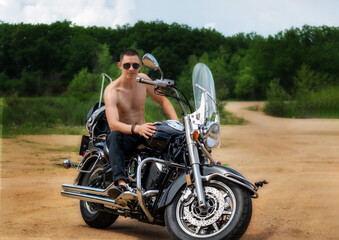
<point x="228" y="118"/>
<point x="67" y="115"/>
<point x="320" y="113"/>
<point x="59" y="129"/>
<point x="1" y="114"/>
<point x="44" y="115"/>
<point x="304" y="103"/>
<point x="254" y="108"/>
<point x="64" y="149"/>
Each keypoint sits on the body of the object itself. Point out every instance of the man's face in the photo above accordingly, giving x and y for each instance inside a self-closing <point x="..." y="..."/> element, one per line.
<point x="130" y="66"/>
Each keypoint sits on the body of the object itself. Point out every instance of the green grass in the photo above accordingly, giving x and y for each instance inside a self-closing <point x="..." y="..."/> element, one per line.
<point x="67" y="115"/>
<point x="60" y="129"/>
<point x="324" y="113"/>
<point x="254" y="108"/>
<point x="228" y="118"/>
<point x="44" y="115"/>
<point x="323" y="103"/>
<point x="1" y="115"/>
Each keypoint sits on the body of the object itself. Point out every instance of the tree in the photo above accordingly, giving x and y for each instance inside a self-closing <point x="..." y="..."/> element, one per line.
<point x="245" y="84"/>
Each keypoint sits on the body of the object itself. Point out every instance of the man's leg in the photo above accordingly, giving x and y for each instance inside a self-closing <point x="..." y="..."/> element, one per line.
<point x="115" y="142"/>
<point x="119" y="144"/>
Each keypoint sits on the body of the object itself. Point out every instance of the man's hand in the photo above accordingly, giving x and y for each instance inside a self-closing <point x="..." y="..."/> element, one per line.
<point x="146" y="130"/>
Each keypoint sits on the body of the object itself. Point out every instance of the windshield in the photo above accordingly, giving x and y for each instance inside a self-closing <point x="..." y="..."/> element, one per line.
<point x="204" y="94"/>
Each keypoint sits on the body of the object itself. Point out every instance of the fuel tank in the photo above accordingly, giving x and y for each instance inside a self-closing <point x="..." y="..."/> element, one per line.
<point x="163" y="134"/>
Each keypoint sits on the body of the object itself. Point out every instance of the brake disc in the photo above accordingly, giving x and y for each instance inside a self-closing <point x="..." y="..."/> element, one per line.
<point x="215" y="207"/>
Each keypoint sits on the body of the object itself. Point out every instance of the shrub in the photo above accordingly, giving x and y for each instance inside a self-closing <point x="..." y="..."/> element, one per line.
<point x="276" y="101"/>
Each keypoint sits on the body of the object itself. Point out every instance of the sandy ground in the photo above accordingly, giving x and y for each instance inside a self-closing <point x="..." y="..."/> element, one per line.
<point x="299" y="158"/>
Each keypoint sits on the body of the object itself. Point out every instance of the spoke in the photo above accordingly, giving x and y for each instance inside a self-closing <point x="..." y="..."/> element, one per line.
<point x="198" y="229"/>
<point x="215" y="226"/>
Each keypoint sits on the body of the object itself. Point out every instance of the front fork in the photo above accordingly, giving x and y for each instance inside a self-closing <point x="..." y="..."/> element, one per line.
<point x="195" y="162"/>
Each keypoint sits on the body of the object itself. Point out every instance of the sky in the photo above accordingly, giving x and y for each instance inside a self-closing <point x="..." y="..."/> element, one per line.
<point x="264" y="17"/>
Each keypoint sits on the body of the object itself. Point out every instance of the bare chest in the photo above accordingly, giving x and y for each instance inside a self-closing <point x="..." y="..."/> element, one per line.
<point x="133" y="100"/>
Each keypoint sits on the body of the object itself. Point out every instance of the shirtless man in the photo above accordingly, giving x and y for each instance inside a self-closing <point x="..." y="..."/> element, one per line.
<point x="124" y="101"/>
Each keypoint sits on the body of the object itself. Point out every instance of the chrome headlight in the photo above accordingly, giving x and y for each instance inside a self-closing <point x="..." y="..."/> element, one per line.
<point x="212" y="135"/>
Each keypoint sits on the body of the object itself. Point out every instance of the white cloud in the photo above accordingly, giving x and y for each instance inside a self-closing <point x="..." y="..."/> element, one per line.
<point x="108" y="13"/>
<point x="227" y="16"/>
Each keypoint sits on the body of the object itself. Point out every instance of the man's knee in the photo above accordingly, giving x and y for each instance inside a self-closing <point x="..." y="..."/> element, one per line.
<point x="115" y="137"/>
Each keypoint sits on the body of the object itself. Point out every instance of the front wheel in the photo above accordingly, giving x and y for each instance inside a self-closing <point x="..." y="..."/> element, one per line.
<point x="90" y="211"/>
<point x="227" y="215"/>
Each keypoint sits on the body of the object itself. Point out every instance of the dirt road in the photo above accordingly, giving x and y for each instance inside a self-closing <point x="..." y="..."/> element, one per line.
<point x="299" y="158"/>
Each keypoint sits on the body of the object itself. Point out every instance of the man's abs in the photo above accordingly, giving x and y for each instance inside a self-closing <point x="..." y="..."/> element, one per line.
<point x="133" y="116"/>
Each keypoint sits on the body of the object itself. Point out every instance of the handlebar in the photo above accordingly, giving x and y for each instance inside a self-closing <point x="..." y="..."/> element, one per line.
<point x="167" y="83"/>
<point x="157" y="82"/>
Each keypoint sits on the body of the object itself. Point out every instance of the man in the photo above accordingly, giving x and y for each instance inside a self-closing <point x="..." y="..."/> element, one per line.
<point x="124" y="101"/>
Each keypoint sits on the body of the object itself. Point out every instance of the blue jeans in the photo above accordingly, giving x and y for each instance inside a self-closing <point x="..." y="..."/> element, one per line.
<point x="119" y="145"/>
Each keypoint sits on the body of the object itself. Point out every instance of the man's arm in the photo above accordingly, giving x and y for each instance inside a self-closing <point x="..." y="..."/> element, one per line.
<point x="163" y="102"/>
<point x="112" y="115"/>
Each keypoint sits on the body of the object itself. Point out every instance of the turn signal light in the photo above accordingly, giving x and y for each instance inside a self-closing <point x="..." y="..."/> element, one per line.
<point x="195" y="135"/>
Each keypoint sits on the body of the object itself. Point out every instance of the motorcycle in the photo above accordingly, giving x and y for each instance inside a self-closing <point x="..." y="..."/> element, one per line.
<point x="173" y="179"/>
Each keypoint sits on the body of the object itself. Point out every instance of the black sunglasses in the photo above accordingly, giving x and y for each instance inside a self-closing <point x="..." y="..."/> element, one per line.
<point x="128" y="65"/>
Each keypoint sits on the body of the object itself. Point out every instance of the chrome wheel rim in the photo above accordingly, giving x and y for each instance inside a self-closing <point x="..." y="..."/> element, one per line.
<point x="219" y="213"/>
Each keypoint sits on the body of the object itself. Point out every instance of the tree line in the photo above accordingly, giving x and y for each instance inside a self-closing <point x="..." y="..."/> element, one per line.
<point x="53" y="59"/>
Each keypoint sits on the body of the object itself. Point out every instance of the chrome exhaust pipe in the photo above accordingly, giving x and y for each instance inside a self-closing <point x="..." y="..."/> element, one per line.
<point x="96" y="195"/>
<point x="100" y="192"/>
<point x="85" y="189"/>
<point x="91" y="198"/>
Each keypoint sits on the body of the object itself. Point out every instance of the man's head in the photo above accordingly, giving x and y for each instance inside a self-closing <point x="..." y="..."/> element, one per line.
<point x="129" y="52"/>
<point x="129" y="63"/>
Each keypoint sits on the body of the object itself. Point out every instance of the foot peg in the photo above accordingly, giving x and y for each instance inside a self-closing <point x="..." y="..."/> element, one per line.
<point x="260" y="183"/>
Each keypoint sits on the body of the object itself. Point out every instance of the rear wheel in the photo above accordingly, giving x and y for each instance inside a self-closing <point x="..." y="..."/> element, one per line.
<point x="227" y="215"/>
<point x="89" y="211"/>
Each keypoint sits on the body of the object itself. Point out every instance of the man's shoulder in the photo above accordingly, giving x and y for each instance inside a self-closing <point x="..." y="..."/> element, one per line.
<point x="112" y="86"/>
<point x="143" y="75"/>
<point x="111" y="90"/>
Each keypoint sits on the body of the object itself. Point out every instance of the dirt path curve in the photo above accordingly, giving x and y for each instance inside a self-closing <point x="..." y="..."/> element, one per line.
<point x="300" y="159"/>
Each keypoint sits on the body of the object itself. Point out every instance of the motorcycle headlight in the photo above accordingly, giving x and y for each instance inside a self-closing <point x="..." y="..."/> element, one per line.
<point x="212" y="135"/>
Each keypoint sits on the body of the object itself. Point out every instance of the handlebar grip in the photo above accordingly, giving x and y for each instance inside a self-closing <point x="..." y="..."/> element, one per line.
<point x="143" y="80"/>
<point x="157" y="82"/>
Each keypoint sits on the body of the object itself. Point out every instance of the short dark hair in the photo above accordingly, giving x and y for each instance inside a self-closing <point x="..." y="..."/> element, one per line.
<point x="129" y="52"/>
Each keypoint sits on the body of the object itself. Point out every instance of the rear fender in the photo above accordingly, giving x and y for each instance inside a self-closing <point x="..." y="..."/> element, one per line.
<point x="92" y="156"/>
<point x="208" y="173"/>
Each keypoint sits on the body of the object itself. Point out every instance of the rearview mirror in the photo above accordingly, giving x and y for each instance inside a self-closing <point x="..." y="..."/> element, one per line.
<point x="149" y="61"/>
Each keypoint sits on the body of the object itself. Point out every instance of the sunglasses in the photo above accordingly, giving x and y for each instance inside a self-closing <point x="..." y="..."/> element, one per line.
<point x="128" y="65"/>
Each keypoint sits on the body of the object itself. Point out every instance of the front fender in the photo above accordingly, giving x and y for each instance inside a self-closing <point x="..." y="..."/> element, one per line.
<point x="213" y="171"/>
<point x="208" y="172"/>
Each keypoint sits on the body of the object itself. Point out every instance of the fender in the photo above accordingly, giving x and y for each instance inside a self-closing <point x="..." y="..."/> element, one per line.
<point x="93" y="155"/>
<point x="208" y="173"/>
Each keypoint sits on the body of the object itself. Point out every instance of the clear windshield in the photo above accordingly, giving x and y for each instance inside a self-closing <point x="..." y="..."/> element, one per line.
<point x="204" y="93"/>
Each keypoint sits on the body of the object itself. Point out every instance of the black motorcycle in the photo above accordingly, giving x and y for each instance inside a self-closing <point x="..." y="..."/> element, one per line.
<point x="173" y="179"/>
